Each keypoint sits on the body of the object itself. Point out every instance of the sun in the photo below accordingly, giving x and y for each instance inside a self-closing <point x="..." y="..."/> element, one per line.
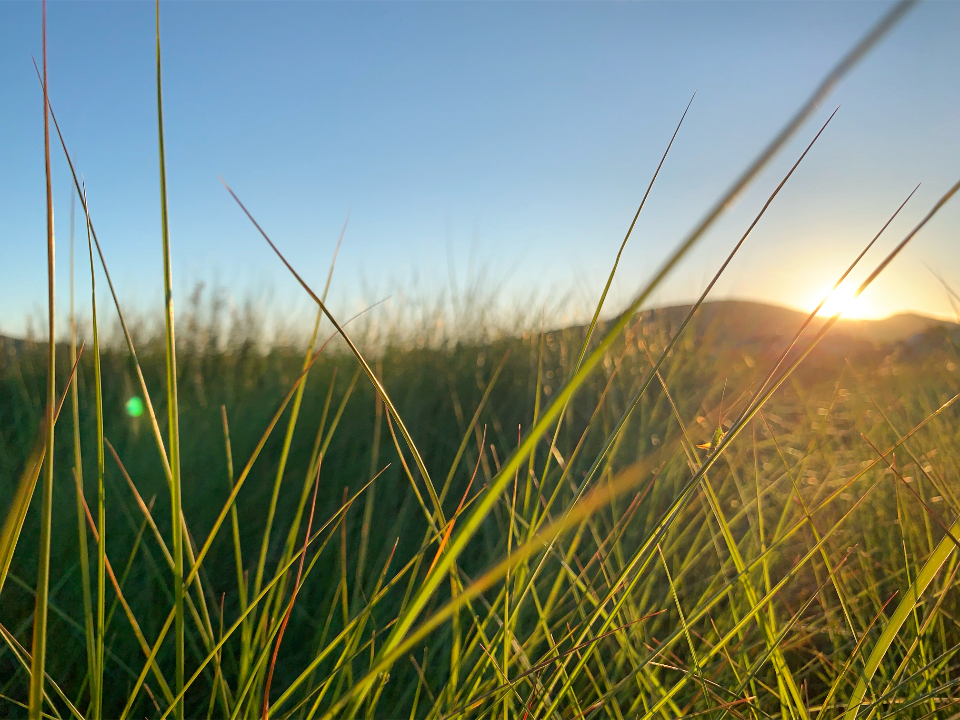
<point x="844" y="299"/>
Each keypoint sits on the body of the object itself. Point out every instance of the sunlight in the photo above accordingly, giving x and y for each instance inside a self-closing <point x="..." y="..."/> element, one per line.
<point x="844" y="300"/>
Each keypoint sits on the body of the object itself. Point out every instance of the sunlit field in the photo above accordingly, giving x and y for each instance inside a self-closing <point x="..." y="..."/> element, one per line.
<point x="721" y="509"/>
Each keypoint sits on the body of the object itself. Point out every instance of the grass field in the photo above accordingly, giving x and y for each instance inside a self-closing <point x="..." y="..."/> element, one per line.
<point x="748" y="532"/>
<point x="719" y="510"/>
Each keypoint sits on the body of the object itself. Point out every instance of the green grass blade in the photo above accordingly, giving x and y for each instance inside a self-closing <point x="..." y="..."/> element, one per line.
<point x="96" y="684"/>
<point x="173" y="416"/>
<point x="78" y="470"/>
<point x="39" y="652"/>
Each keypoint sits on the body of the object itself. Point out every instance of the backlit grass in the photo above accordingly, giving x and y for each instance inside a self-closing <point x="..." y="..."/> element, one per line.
<point x="665" y="513"/>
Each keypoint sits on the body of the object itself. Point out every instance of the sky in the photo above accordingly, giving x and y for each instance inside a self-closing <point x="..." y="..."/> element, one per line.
<point x="504" y="145"/>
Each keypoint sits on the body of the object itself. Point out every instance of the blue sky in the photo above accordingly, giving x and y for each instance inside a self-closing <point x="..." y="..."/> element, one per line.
<point x="512" y="139"/>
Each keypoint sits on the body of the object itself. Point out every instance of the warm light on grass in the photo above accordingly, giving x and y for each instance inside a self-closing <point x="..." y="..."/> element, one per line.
<point x="605" y="569"/>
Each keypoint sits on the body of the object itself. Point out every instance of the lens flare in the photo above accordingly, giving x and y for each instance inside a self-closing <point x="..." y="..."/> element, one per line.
<point x="134" y="407"/>
<point x="844" y="300"/>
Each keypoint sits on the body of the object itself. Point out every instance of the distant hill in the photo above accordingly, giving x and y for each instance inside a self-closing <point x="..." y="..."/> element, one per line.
<point x="745" y="325"/>
<point x="896" y="327"/>
<point x="745" y="320"/>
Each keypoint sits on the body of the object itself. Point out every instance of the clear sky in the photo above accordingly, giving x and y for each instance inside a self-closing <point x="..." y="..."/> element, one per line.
<point x="509" y="140"/>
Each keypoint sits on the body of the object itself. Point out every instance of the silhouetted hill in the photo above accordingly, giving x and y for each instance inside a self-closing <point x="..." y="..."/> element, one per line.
<point x="744" y="322"/>
<point x="744" y="326"/>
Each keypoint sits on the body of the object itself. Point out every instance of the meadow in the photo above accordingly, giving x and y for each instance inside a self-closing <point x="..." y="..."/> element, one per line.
<point x="723" y="509"/>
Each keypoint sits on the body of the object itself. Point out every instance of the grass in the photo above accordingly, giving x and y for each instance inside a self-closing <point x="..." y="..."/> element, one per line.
<point x="667" y="513"/>
<point x="39" y="647"/>
<point x="173" y="415"/>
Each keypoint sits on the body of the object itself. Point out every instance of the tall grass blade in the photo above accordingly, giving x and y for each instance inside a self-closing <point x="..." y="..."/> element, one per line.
<point x="173" y="416"/>
<point x="78" y="468"/>
<point x="623" y="245"/>
<point x="39" y="651"/>
<point x="96" y="680"/>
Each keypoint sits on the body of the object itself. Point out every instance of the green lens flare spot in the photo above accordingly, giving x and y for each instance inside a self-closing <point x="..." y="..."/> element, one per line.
<point x="134" y="407"/>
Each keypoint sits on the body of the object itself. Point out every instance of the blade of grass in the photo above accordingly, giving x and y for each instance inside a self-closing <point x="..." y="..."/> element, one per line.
<point x="237" y="552"/>
<point x="96" y="684"/>
<point x="173" y="415"/>
<point x="39" y="653"/>
<point x="368" y="503"/>
<point x="78" y="469"/>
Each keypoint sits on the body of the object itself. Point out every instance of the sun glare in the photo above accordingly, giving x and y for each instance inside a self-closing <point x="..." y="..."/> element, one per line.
<point x="844" y="300"/>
